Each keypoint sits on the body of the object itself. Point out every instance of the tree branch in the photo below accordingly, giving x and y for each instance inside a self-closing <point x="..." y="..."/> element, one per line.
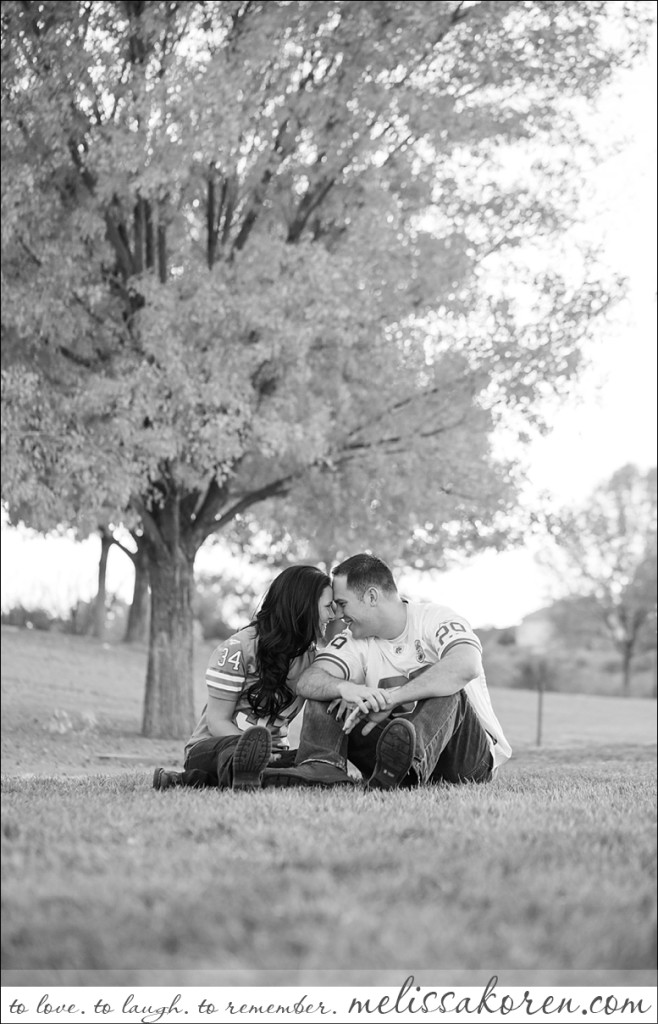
<point x="122" y="547"/>
<point x="122" y="251"/>
<point x="211" y="225"/>
<point x="277" y="488"/>
<point x="206" y="507"/>
<point x="151" y="528"/>
<point x="310" y="202"/>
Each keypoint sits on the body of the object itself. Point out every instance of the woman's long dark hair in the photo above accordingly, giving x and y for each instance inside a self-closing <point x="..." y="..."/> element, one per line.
<point x="287" y="624"/>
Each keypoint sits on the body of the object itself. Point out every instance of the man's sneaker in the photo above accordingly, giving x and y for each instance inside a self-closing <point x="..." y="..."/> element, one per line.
<point x="251" y="757"/>
<point x="310" y="773"/>
<point x="162" y="779"/>
<point x="394" y="756"/>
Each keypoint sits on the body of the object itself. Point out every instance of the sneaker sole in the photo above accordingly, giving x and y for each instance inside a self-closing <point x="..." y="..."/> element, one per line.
<point x="251" y="757"/>
<point x="395" y="755"/>
<point x="157" y="774"/>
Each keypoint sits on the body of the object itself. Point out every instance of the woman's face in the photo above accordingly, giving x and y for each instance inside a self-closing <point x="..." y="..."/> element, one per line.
<point x="326" y="609"/>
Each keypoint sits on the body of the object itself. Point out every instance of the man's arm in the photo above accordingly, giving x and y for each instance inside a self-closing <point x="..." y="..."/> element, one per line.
<point x="447" y="676"/>
<point x="324" y="683"/>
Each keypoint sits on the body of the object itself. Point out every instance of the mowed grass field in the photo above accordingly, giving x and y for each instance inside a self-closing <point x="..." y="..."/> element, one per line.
<point x="549" y="872"/>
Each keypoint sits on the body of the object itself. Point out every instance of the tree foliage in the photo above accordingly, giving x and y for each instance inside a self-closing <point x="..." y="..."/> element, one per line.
<point x="608" y="549"/>
<point x="246" y="257"/>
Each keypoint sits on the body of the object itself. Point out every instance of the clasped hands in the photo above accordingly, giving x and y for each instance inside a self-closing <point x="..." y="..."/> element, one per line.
<point x="357" y="702"/>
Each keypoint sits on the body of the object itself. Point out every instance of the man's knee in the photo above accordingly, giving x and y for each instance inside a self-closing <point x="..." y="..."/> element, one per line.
<point x="316" y="710"/>
<point x="451" y="700"/>
<point x="445" y="711"/>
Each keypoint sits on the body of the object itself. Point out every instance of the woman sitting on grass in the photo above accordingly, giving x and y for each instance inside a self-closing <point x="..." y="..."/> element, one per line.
<point x="251" y="680"/>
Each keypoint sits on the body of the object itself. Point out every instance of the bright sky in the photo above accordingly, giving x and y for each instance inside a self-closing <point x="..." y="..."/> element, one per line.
<point x="609" y="421"/>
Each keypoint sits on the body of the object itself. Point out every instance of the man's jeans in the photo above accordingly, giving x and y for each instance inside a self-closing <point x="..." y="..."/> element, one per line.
<point x="210" y="763"/>
<point x="451" y="744"/>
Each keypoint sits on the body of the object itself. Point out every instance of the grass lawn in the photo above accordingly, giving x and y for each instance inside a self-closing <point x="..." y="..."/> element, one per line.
<point x="549" y="873"/>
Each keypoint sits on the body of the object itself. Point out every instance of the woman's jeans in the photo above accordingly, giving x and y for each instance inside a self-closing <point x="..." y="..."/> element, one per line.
<point x="451" y="743"/>
<point x="210" y="762"/>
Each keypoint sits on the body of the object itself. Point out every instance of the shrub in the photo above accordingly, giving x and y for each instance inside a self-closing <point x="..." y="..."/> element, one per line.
<point x="79" y="621"/>
<point x="29" y="618"/>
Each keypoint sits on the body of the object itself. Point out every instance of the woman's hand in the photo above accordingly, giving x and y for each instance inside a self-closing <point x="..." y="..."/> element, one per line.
<point x="371" y="720"/>
<point x="340" y="707"/>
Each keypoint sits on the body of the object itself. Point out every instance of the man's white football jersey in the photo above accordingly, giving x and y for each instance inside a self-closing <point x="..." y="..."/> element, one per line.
<point x="431" y="631"/>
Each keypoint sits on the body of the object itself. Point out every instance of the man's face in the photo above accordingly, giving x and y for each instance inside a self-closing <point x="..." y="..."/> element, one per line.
<point x="360" y="614"/>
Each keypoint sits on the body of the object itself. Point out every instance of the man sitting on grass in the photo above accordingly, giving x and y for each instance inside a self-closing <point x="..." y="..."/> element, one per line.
<point x="401" y="693"/>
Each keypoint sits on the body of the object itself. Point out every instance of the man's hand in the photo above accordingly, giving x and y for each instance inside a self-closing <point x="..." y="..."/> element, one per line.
<point x="365" y="698"/>
<point x="391" y="698"/>
<point x="358" y="702"/>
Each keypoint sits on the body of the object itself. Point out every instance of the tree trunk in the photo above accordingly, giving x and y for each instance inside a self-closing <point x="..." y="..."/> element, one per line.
<point x="136" y="629"/>
<point x="100" y="610"/>
<point x="169" y="698"/>
<point x="626" y="659"/>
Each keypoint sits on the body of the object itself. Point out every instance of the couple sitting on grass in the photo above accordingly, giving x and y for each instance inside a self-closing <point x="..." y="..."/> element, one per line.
<point x="400" y="694"/>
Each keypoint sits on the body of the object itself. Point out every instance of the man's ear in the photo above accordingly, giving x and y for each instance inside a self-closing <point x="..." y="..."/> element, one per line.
<point x="373" y="596"/>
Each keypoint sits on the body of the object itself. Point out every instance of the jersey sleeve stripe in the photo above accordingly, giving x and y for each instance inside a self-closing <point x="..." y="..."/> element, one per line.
<point x="234" y="687"/>
<point x="214" y="673"/>
<point x="334" y="661"/>
<point x="462" y="640"/>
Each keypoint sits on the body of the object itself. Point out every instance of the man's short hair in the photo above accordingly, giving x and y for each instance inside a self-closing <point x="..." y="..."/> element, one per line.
<point x="363" y="571"/>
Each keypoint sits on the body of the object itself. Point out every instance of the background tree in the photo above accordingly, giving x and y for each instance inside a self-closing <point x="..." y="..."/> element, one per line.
<point x="138" y="609"/>
<point x="248" y="253"/>
<point x="606" y="551"/>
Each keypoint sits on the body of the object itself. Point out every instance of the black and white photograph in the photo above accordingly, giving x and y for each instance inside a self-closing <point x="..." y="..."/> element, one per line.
<point x="329" y="533"/>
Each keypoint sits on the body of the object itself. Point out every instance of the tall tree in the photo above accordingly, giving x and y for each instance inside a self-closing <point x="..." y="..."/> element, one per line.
<point x="246" y="252"/>
<point x="100" y="602"/>
<point x="137" y="625"/>
<point x="608" y="549"/>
